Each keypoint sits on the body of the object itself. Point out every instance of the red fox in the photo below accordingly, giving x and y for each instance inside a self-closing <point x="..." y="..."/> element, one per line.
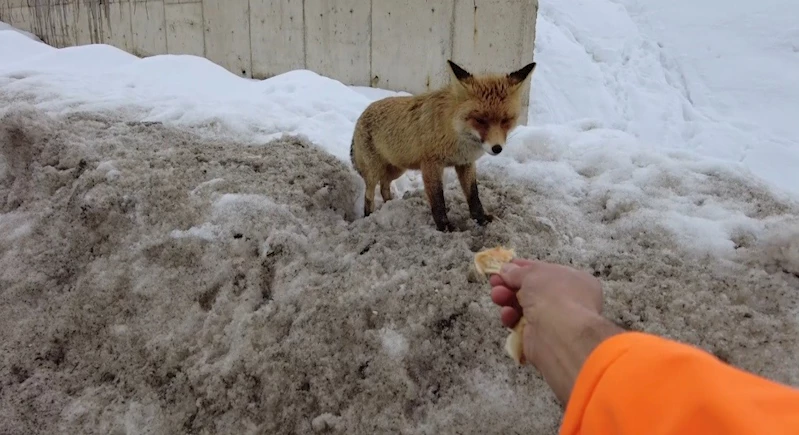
<point x="449" y="127"/>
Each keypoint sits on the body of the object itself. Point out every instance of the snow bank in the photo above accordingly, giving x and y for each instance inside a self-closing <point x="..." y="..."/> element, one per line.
<point x="715" y="77"/>
<point x="210" y="286"/>
<point x="616" y="76"/>
<point x="5" y="27"/>
<point x="186" y="91"/>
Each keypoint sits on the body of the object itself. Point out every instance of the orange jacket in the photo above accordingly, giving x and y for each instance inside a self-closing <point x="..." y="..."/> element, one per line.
<point x="635" y="383"/>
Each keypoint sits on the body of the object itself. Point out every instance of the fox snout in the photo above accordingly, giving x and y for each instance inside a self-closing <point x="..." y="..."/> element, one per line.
<point x="491" y="134"/>
<point x="493" y="139"/>
<point x="492" y="149"/>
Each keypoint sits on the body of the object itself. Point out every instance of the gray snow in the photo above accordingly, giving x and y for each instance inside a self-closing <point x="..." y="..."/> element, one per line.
<point x="154" y="281"/>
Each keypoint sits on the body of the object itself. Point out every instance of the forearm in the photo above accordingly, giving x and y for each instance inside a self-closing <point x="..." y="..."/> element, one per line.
<point x="559" y="353"/>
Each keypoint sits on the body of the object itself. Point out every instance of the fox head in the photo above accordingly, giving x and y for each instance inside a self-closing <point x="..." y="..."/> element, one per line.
<point x="488" y="105"/>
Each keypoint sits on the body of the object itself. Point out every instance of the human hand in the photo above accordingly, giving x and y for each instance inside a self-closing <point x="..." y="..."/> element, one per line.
<point x="543" y="283"/>
<point x="563" y="309"/>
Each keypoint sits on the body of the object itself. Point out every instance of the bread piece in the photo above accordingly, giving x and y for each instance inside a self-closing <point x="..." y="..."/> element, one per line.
<point x="514" y="343"/>
<point x="489" y="262"/>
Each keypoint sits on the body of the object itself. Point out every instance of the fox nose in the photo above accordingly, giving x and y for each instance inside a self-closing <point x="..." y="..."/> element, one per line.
<point x="496" y="149"/>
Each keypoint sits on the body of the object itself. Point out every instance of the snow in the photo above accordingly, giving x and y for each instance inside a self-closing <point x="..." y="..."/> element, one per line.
<point x="5" y="27"/>
<point x="705" y="77"/>
<point x="661" y="142"/>
<point x="218" y="282"/>
<point x="602" y="97"/>
<point x="654" y="185"/>
<point x="716" y="85"/>
<point x="188" y="91"/>
<point x="394" y="344"/>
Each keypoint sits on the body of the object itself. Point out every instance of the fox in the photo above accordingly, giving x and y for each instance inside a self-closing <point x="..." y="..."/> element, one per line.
<point x="449" y="127"/>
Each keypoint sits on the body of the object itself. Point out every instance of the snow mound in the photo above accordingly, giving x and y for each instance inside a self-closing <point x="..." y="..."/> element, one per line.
<point x="182" y="90"/>
<point x="705" y="77"/>
<point x="156" y="281"/>
<point x="5" y="27"/>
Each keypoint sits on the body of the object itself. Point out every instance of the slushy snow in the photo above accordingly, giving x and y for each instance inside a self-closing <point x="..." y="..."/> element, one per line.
<point x="182" y="250"/>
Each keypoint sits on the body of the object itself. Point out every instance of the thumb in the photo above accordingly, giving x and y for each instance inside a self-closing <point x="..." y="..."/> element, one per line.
<point x="513" y="275"/>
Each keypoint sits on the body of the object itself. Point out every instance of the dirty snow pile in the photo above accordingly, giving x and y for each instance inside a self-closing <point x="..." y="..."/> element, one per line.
<point x="181" y="250"/>
<point x="158" y="281"/>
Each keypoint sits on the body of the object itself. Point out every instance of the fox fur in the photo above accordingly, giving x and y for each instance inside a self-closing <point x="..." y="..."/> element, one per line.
<point x="449" y="127"/>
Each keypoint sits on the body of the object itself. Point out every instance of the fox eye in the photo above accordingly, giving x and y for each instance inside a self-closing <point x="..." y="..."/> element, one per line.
<point x="506" y="120"/>
<point x="481" y="121"/>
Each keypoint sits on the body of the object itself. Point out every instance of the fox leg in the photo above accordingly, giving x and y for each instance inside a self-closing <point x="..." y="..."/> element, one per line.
<point x="364" y="162"/>
<point x="390" y="174"/>
<point x="467" y="175"/>
<point x="433" y="176"/>
<point x="369" y="195"/>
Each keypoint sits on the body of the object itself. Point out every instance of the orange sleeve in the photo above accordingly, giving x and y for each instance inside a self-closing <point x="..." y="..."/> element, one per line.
<point x="635" y="383"/>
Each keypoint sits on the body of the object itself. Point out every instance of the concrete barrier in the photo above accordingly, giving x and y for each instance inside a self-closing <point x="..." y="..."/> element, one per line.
<point x="400" y="45"/>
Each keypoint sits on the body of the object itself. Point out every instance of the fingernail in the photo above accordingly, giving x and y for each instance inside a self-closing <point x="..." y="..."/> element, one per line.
<point x="507" y="267"/>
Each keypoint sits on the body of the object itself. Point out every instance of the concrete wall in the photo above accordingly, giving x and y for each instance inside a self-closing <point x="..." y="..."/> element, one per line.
<point x="392" y="44"/>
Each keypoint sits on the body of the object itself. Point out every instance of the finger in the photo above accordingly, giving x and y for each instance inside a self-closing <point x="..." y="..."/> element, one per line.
<point x="509" y="317"/>
<point x="504" y="297"/>
<point x="523" y="262"/>
<point x="512" y="274"/>
<point x="495" y="280"/>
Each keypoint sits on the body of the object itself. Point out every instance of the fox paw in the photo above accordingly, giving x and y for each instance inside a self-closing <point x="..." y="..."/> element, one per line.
<point x="484" y="220"/>
<point x="445" y="227"/>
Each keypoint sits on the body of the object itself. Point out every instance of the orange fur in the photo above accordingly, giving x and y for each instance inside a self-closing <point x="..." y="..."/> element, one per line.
<point x="449" y="127"/>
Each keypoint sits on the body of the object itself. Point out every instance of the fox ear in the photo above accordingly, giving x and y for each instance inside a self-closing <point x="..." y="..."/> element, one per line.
<point x="460" y="73"/>
<point x="521" y="75"/>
